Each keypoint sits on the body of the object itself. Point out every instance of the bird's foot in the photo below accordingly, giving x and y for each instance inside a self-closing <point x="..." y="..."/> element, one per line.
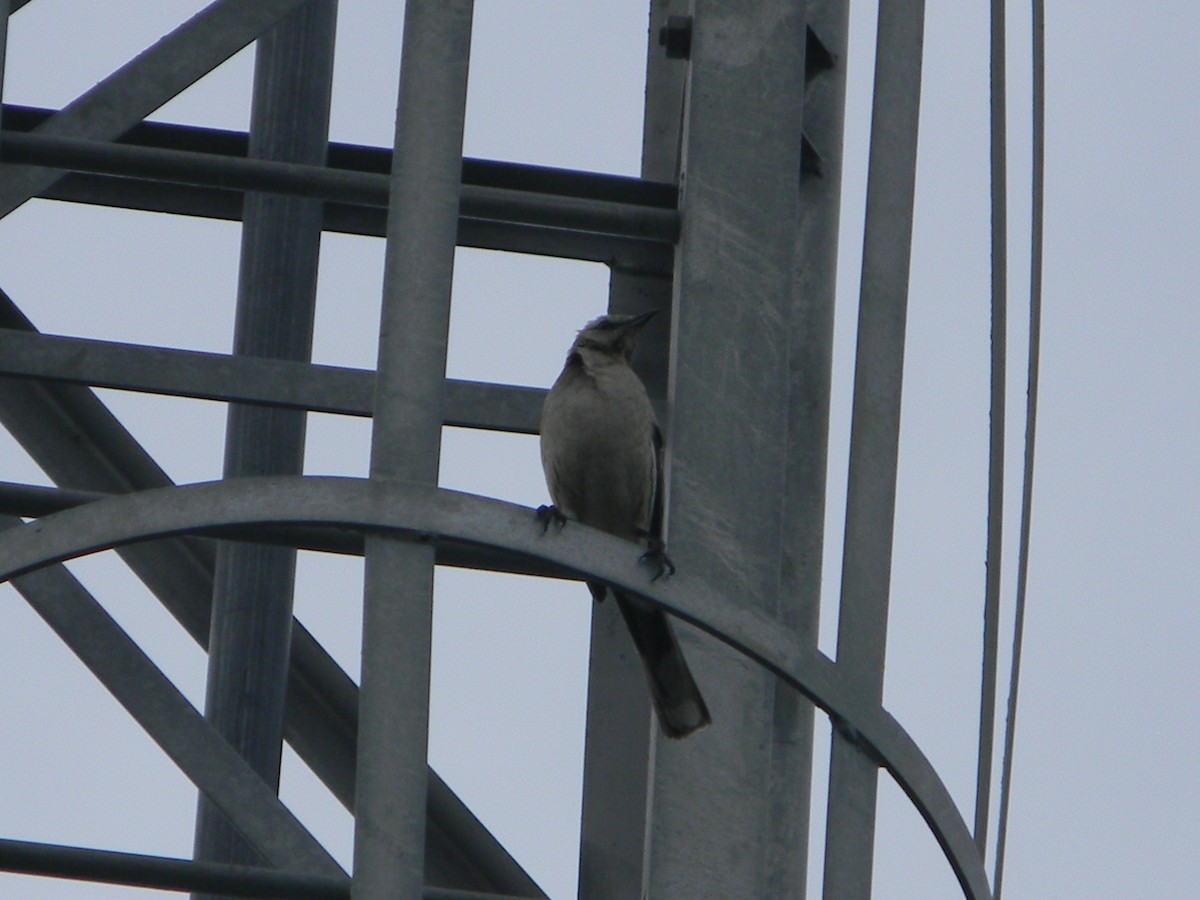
<point x="656" y="556"/>
<point x="548" y="515"/>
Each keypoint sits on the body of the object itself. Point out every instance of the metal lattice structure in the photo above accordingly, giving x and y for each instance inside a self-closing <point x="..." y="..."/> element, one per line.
<point x="730" y="231"/>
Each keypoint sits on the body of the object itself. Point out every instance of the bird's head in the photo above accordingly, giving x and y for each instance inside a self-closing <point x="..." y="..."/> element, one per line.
<point x="611" y="335"/>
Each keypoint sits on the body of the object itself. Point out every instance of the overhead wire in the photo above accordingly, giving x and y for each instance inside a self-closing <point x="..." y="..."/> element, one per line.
<point x="1035" y="327"/>
<point x="997" y="421"/>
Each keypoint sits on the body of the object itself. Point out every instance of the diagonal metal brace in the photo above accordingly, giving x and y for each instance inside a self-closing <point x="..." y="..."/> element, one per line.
<point x="155" y="76"/>
<point x="174" y="724"/>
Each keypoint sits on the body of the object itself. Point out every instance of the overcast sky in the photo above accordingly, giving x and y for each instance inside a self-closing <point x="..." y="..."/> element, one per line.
<point x="1105" y="792"/>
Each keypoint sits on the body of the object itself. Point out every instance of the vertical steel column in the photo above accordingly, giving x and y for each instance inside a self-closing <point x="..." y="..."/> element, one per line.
<point x="808" y="433"/>
<point x="4" y="11"/>
<point x="875" y="434"/>
<point x="711" y="806"/>
<point x="620" y="724"/>
<point x="389" y="834"/>
<point x="250" y="632"/>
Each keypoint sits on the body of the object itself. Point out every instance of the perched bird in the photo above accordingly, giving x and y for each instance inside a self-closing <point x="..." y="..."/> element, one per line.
<point x="602" y="455"/>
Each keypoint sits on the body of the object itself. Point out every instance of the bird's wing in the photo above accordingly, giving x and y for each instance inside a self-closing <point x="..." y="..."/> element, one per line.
<point x="656" y="504"/>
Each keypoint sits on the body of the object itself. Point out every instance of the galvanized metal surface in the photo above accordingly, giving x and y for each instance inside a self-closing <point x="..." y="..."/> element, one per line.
<point x="483" y="203"/>
<point x="389" y="825"/>
<point x="360" y="158"/>
<point x="74" y="438"/>
<point x="250" y="635"/>
<point x="633" y="238"/>
<point x="166" y="715"/>
<point x="33" y="501"/>
<point x="809" y="373"/>
<point x="423" y="514"/>
<point x="140" y="870"/>
<point x="524" y="198"/>
<point x="284" y="383"/>
<point x="874" y="437"/>
<point x="712" y="807"/>
<point x="148" y="81"/>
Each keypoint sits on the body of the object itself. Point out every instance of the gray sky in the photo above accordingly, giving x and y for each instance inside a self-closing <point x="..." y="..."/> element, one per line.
<point x="1105" y="793"/>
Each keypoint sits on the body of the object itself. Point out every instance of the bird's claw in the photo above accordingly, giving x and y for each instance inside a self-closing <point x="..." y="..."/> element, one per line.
<point x="548" y="515"/>
<point x="656" y="556"/>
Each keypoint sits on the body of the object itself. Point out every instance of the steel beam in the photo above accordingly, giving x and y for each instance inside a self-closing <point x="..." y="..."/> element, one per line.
<point x="809" y="367"/>
<point x="810" y="375"/>
<point x="620" y="221"/>
<point x="164" y="873"/>
<point x="283" y="383"/>
<point x="359" y="158"/>
<point x="423" y="209"/>
<point x="712" y="804"/>
<point x="479" y="202"/>
<point x="75" y="439"/>
<point x="874" y="437"/>
<point x="146" y="82"/>
<point x="250" y="635"/>
<point x="171" y="721"/>
<point x="35" y="501"/>
<point x="423" y="514"/>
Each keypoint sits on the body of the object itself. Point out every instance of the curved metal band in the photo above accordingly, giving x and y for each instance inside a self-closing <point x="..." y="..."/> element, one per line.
<point x="426" y="513"/>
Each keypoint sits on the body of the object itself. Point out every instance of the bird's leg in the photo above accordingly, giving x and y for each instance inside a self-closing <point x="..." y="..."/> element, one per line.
<point x="656" y="556"/>
<point x="550" y="514"/>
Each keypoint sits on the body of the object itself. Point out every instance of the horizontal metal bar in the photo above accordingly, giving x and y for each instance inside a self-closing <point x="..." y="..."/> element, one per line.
<point x="363" y="158"/>
<point x="648" y="257"/>
<point x="189" y="167"/>
<point x="271" y="382"/>
<point x="164" y="873"/>
<point x="168" y="874"/>
<point x="651" y="258"/>
<point x="499" y="204"/>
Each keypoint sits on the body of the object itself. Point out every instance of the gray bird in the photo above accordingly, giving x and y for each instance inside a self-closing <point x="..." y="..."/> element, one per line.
<point x="602" y="455"/>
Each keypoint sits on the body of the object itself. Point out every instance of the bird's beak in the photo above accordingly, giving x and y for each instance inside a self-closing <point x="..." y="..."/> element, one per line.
<point x="638" y="321"/>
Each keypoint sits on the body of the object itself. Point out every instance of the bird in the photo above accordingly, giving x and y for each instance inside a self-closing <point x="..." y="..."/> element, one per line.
<point x="602" y="454"/>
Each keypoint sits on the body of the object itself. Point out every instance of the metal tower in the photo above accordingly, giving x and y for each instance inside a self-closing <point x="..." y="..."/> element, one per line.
<point x="730" y="232"/>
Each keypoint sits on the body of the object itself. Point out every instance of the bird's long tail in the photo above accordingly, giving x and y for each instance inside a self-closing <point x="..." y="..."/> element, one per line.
<point x="677" y="699"/>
